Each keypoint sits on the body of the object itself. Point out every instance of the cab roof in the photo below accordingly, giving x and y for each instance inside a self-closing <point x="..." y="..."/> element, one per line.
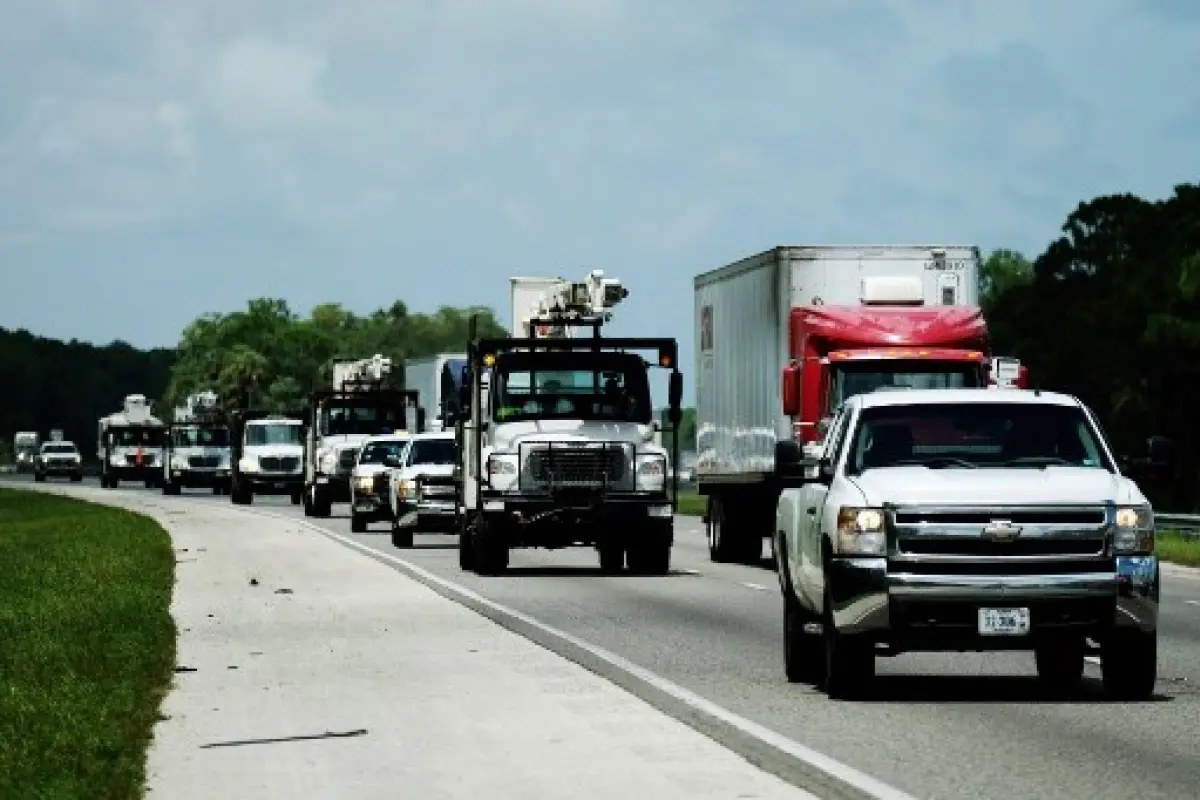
<point x="926" y="397"/>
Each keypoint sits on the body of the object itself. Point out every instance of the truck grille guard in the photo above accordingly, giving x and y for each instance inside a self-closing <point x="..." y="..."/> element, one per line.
<point x="546" y="467"/>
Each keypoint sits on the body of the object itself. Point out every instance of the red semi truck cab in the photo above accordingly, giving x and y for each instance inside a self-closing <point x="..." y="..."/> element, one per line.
<point x="837" y="352"/>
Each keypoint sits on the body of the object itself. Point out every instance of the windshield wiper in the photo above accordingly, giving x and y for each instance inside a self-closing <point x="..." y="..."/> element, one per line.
<point x="935" y="463"/>
<point x="1038" y="461"/>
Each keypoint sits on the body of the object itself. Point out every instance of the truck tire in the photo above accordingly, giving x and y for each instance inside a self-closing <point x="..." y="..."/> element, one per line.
<point x="357" y="523"/>
<point x="240" y="495"/>
<point x="76" y="477"/>
<point x="612" y="556"/>
<point x="322" y="504"/>
<point x="1060" y="663"/>
<point x="727" y="545"/>
<point x="849" y="666"/>
<point x="649" y="552"/>
<point x="466" y="552"/>
<point x="490" y="545"/>
<point x="402" y="538"/>
<point x="39" y="477"/>
<point x="801" y="651"/>
<point x="171" y="488"/>
<point x="1129" y="664"/>
<point x="297" y="496"/>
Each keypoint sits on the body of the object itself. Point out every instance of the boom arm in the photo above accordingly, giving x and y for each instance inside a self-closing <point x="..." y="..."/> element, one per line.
<point x="588" y="301"/>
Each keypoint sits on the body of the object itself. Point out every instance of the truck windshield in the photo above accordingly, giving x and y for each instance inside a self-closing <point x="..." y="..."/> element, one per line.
<point x="850" y="379"/>
<point x="273" y="433"/>
<point x="572" y="385"/>
<point x="137" y="437"/>
<point x="432" y="451"/>
<point x="60" y="449"/>
<point x="200" y="437"/>
<point x="359" y="420"/>
<point x="972" y="435"/>
<point x="379" y="452"/>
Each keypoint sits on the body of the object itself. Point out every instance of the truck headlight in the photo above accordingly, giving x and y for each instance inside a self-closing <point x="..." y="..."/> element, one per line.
<point x="178" y="462"/>
<point x="364" y="483"/>
<point x="501" y="471"/>
<point x="651" y="473"/>
<point x="405" y="490"/>
<point x="1133" y="532"/>
<point x="249" y="464"/>
<point x="860" y="532"/>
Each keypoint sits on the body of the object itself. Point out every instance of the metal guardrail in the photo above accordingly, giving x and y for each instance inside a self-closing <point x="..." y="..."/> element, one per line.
<point x="1187" y="524"/>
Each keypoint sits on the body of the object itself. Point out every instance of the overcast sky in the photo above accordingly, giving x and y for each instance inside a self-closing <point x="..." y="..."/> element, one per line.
<point x="163" y="159"/>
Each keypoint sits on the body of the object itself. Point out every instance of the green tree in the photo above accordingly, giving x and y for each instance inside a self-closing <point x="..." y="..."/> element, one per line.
<point x="1002" y="270"/>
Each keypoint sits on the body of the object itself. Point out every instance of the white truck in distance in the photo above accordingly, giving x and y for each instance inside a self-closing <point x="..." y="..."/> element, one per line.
<point x="197" y="453"/>
<point x="557" y="445"/>
<point x="962" y="520"/>
<point x="358" y="406"/>
<point x="423" y="495"/>
<point x="25" y="450"/>
<point x="130" y="443"/>
<point x="267" y="457"/>
<point x="370" y="484"/>
<point x="58" y="458"/>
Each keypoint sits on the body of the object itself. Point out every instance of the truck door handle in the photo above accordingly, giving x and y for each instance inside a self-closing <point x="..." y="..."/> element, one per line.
<point x="812" y="511"/>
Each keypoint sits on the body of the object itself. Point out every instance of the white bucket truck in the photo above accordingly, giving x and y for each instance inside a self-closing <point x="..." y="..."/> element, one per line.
<point x="197" y="452"/>
<point x="557" y="441"/>
<point x="25" y="449"/>
<point x="130" y="443"/>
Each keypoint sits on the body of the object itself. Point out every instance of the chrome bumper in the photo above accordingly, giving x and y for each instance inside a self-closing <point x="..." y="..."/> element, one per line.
<point x="865" y="594"/>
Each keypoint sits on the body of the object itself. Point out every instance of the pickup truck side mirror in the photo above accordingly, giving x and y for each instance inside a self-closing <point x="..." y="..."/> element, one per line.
<point x="792" y="467"/>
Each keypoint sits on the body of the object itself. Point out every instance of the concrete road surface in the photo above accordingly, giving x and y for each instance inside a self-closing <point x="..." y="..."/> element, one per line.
<point x="307" y="670"/>
<point x="954" y="725"/>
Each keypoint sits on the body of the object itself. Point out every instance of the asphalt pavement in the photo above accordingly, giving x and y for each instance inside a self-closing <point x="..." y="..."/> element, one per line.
<point x="939" y="725"/>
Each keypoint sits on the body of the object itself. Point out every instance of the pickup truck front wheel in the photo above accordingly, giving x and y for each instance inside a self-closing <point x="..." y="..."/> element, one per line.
<point x="849" y="660"/>
<point x="1129" y="663"/>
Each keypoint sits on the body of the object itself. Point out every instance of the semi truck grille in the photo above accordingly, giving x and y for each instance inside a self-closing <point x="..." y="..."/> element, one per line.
<point x="552" y="465"/>
<point x="203" y="462"/>
<point x="279" y="463"/>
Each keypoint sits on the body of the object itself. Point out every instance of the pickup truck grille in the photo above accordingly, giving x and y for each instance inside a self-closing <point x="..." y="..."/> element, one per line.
<point x="437" y="487"/>
<point x="554" y="465"/>
<point x="203" y="462"/>
<point x="956" y="539"/>
<point x="279" y="463"/>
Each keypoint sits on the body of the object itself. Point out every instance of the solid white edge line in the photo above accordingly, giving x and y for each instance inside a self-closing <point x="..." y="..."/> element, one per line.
<point x="832" y="767"/>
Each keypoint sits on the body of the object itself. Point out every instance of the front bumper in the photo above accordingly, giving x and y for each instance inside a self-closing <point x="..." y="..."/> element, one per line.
<point x="131" y="472"/>
<point x="927" y="611"/>
<point x="266" y="483"/>
<point x="61" y="469"/>
<point x="587" y="503"/>
<point x="200" y="478"/>
<point x="370" y="505"/>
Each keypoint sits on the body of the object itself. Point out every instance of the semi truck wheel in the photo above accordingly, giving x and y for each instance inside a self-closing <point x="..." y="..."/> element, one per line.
<point x="357" y="523"/>
<point x="649" y="550"/>
<point x="490" y="545"/>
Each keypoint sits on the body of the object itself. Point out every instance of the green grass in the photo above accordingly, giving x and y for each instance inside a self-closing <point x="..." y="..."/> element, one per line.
<point x="1175" y="547"/>
<point x="690" y="503"/>
<point x="87" y="646"/>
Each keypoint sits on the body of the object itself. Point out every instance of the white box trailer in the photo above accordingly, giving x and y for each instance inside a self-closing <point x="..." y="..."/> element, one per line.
<point x="425" y="375"/>
<point x="750" y="323"/>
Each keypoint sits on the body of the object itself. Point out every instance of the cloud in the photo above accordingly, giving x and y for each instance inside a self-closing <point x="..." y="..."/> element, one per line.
<point x="370" y="149"/>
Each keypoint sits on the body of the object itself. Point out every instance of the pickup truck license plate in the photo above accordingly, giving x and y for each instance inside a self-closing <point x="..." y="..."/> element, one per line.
<point x="1004" y="621"/>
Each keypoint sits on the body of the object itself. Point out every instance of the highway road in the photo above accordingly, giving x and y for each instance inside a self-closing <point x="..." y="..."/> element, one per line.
<point x="960" y="725"/>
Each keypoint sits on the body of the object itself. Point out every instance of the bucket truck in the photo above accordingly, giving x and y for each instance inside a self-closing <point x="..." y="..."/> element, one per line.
<point x="129" y="444"/>
<point x="787" y="335"/>
<point x="197" y="452"/>
<point x="340" y="419"/>
<point x="26" y="445"/>
<point x="556" y="434"/>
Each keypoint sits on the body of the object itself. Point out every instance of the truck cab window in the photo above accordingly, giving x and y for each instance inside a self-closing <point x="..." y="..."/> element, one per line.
<point x="851" y="379"/>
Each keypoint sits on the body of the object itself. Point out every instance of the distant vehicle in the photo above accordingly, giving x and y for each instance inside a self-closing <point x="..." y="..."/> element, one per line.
<point x="197" y="453"/>
<point x="369" y="479"/>
<point x="435" y="380"/>
<point x="267" y="456"/>
<point x="129" y="444"/>
<point x="954" y="520"/>
<point x="25" y="448"/>
<point x="58" y="459"/>
<point x="424" y="495"/>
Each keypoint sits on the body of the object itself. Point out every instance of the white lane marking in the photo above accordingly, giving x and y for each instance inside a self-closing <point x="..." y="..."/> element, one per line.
<point x="757" y="586"/>
<point x="872" y="787"/>
<point x="690" y="571"/>
<point x="1192" y="602"/>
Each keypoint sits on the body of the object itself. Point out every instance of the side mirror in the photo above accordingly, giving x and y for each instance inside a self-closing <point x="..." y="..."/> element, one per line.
<point x="790" y="391"/>
<point x="789" y="458"/>
<point x="675" y="391"/>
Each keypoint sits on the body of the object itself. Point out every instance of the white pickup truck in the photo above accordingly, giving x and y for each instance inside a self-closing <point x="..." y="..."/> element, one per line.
<point x="961" y="520"/>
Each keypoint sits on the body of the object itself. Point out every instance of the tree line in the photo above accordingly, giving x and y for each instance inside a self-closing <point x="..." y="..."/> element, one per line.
<point x="1110" y="312"/>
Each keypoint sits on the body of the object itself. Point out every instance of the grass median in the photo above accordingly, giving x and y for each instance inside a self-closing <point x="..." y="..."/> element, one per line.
<point x="690" y="503"/>
<point x="87" y="645"/>
<point x="1178" y="548"/>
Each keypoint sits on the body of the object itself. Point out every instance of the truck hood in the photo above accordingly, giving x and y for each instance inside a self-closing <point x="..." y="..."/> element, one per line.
<point x="508" y="436"/>
<point x="368" y="470"/>
<point x="336" y="444"/>
<point x="430" y="470"/>
<point x="274" y="450"/>
<point x="1053" y="485"/>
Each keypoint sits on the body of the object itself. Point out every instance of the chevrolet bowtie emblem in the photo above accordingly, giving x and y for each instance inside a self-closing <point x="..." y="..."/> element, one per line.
<point x="1002" y="530"/>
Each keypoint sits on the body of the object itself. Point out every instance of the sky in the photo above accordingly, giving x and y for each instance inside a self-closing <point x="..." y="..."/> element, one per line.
<point x="160" y="160"/>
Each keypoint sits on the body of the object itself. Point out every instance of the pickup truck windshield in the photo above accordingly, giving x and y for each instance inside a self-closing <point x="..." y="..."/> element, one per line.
<point x="973" y="435"/>
<point x="432" y="451"/>
<point x="277" y="433"/>
<point x="60" y="449"/>
<point x="586" y="386"/>
<point x="379" y="452"/>
<point x="200" y="437"/>
<point x="851" y="378"/>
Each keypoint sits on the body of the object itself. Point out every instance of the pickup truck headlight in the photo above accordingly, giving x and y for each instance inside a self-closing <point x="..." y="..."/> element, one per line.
<point x="1134" y="530"/>
<point x="501" y="471"/>
<point x="651" y="473"/>
<point x="365" y="483"/>
<point x="860" y="532"/>
<point x="405" y="490"/>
